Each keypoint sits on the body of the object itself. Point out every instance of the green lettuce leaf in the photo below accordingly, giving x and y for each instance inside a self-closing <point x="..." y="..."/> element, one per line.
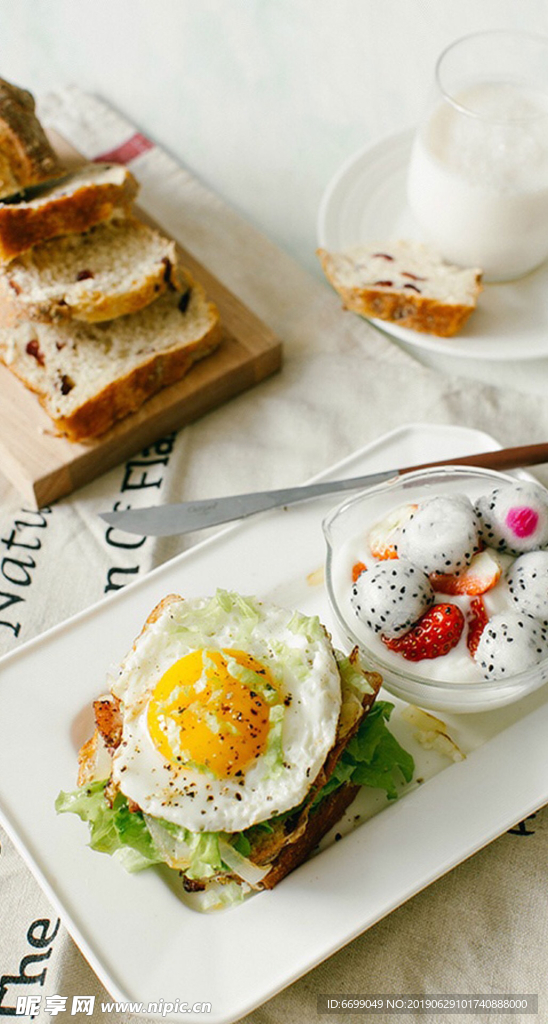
<point x="373" y="757"/>
<point x="118" y="831"/>
<point x="113" y="830"/>
<point x="206" y="859"/>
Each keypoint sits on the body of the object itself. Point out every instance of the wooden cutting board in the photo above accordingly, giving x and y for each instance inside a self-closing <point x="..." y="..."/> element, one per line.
<point x="45" y="467"/>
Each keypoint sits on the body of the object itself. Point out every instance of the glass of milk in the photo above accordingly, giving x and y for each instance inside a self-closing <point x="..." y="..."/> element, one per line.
<point x="478" y="176"/>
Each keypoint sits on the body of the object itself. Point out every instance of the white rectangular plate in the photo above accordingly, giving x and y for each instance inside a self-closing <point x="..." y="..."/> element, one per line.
<point x="141" y="940"/>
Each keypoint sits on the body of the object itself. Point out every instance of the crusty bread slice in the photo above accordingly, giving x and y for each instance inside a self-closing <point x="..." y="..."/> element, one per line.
<point x="110" y="270"/>
<point x="86" y="197"/>
<point x="26" y="156"/>
<point x="88" y="376"/>
<point x="404" y="282"/>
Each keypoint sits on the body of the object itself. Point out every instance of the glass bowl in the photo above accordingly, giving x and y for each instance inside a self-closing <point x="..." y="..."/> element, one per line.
<point x="424" y="683"/>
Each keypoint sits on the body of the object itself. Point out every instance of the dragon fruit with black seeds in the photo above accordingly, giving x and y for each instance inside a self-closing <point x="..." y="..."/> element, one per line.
<point x="441" y="536"/>
<point x="514" y="518"/>
<point x="391" y="596"/>
<point x="510" y="643"/>
<point x="527" y="580"/>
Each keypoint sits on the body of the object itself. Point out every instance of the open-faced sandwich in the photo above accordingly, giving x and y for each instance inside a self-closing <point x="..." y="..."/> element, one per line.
<point x="232" y="739"/>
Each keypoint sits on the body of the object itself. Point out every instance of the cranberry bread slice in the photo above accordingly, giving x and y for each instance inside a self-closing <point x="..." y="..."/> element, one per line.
<point x="404" y="282"/>
<point x="89" y="376"/>
<point x="110" y="270"/>
<point x="86" y="197"/>
<point x="26" y="156"/>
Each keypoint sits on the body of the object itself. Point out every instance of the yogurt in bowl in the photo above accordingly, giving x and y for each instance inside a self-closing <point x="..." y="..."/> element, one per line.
<point x="457" y="606"/>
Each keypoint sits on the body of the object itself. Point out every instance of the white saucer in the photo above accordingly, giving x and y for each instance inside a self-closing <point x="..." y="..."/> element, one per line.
<point x="366" y="201"/>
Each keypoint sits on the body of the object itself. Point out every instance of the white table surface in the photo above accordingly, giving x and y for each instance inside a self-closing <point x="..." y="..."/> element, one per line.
<point x="262" y="99"/>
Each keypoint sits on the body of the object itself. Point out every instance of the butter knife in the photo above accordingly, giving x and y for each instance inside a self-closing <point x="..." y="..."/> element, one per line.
<point x="29" y="192"/>
<point x="165" y="520"/>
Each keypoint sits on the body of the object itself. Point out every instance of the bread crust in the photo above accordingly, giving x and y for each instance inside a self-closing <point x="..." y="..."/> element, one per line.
<point x="416" y="312"/>
<point x="320" y="821"/>
<point x="26" y="155"/>
<point x="24" y="225"/>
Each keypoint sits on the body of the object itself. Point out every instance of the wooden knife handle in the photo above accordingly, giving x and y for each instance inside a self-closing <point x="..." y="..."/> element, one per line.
<point x="504" y="458"/>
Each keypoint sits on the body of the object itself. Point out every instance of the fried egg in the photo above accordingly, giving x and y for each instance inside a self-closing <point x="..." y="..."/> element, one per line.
<point x="230" y="707"/>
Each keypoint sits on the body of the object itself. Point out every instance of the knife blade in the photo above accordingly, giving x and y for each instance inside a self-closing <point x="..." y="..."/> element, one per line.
<point x="29" y="192"/>
<point x="166" y="520"/>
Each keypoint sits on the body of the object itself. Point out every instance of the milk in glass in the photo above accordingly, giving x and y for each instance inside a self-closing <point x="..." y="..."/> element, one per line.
<point x="478" y="178"/>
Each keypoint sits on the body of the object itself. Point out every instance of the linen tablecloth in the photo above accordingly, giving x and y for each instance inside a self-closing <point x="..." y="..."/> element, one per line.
<point x="482" y="928"/>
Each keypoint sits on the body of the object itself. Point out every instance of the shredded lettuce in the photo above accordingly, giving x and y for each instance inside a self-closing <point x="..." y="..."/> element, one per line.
<point x="274" y="755"/>
<point x="206" y="858"/>
<point x="352" y="674"/>
<point x="197" y="626"/>
<point x="217" y="896"/>
<point x="253" y="680"/>
<point x="308" y="625"/>
<point x="246" y="605"/>
<point x="373" y="757"/>
<point x="224" y="600"/>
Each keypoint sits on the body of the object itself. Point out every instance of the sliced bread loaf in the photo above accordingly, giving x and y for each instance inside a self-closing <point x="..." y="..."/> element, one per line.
<point x="110" y="270"/>
<point x="26" y="156"/>
<point x="88" y="196"/>
<point x="404" y="282"/>
<point x="88" y="376"/>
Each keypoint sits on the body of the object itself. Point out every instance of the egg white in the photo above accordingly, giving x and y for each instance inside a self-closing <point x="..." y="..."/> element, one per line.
<point x="301" y="661"/>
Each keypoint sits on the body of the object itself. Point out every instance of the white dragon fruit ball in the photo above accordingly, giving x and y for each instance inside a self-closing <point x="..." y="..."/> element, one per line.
<point x="391" y="596"/>
<point x="441" y="536"/>
<point x="514" y="518"/>
<point x="527" y="580"/>
<point x="510" y="643"/>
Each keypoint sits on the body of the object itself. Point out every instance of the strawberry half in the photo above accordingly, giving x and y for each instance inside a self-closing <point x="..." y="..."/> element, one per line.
<point x="480" y="576"/>
<point x="384" y="533"/>
<point x="435" y="634"/>
<point x="477" y="621"/>
<point x="357" y="570"/>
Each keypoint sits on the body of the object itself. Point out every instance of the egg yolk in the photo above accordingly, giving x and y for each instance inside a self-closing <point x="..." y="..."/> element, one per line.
<point x="200" y="713"/>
